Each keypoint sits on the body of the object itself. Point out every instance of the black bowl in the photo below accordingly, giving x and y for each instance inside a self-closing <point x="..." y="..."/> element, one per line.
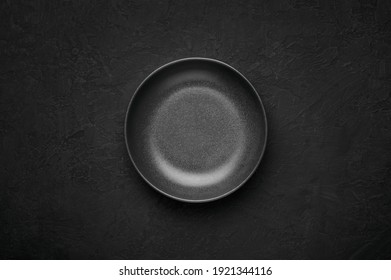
<point x="196" y="129"/>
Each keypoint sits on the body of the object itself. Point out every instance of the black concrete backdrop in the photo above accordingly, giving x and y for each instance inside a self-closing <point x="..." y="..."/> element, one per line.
<point x="69" y="69"/>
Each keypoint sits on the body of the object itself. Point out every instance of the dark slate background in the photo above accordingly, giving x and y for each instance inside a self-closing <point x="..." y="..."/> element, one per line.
<point x="69" y="68"/>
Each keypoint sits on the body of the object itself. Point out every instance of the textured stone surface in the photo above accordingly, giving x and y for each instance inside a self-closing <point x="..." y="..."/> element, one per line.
<point x="68" y="70"/>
